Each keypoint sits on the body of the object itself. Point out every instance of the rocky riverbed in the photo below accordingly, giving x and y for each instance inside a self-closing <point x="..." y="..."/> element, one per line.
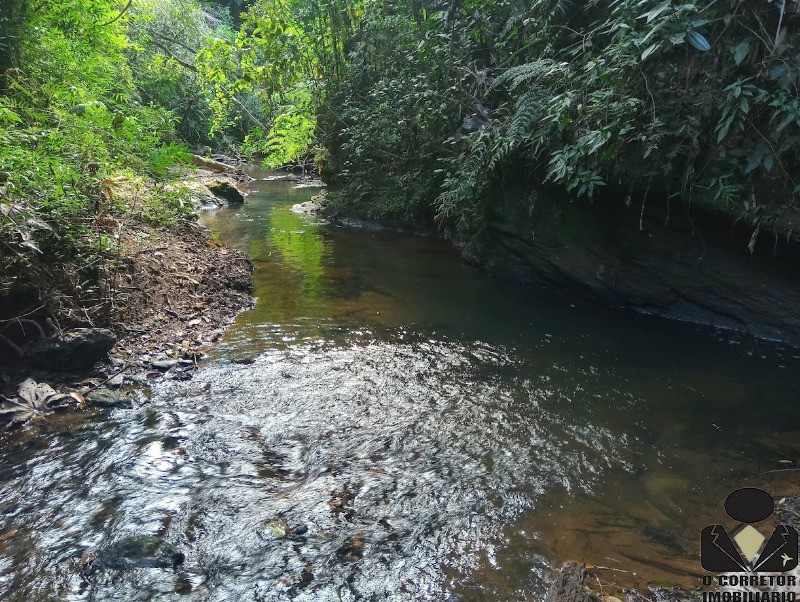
<point x="176" y="292"/>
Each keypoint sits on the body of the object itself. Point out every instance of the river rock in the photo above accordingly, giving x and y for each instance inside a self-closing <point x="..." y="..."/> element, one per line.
<point x="225" y="190"/>
<point x="311" y="207"/>
<point x="106" y="398"/>
<point x="115" y="382"/>
<point x="165" y="364"/>
<point x="570" y="585"/>
<point x="201" y="197"/>
<point x="694" y="269"/>
<point x="78" y="349"/>
<point x="138" y="552"/>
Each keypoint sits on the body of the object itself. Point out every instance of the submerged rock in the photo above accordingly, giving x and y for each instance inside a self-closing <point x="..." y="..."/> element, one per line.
<point x="570" y="585"/>
<point x="137" y="552"/>
<point x="107" y="398"/>
<point x="77" y="349"/>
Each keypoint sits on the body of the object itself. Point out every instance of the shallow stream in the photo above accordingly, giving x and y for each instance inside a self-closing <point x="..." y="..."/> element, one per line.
<point x="390" y="424"/>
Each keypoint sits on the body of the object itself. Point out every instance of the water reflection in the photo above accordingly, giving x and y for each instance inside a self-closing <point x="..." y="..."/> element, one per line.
<point x="408" y="430"/>
<point x="301" y="246"/>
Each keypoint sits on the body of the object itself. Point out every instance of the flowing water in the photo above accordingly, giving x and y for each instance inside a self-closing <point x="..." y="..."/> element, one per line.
<point x="389" y="424"/>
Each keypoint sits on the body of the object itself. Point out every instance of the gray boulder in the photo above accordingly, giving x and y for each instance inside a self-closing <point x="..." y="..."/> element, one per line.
<point x="78" y="349"/>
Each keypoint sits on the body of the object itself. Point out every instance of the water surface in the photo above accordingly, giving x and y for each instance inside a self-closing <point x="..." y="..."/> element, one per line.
<point x="390" y="424"/>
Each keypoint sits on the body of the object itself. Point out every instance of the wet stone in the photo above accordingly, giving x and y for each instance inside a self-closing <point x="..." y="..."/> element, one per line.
<point x="244" y="360"/>
<point x="78" y="349"/>
<point x="116" y="382"/>
<point x="225" y="190"/>
<point x="137" y="552"/>
<point x="165" y="364"/>
<point x="107" y="398"/>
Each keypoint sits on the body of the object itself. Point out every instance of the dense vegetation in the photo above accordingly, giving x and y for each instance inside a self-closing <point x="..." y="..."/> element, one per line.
<point x="414" y="109"/>
<point x="698" y="101"/>
<point x="70" y="123"/>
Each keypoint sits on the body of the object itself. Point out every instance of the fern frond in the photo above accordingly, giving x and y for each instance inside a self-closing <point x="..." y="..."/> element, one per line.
<point x="542" y="70"/>
<point x="526" y="112"/>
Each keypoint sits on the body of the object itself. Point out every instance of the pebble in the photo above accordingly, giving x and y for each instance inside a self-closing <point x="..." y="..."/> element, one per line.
<point x="165" y="364"/>
<point x="116" y="382"/>
<point x="243" y="360"/>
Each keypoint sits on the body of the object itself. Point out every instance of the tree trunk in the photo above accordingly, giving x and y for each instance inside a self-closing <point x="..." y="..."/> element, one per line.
<point x="11" y="24"/>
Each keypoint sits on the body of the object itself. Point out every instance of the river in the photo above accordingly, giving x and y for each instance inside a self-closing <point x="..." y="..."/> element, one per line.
<point x="389" y="423"/>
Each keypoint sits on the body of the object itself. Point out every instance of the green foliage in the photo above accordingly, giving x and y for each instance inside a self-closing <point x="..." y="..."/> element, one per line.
<point x="292" y="132"/>
<point x="166" y="156"/>
<point x="694" y="100"/>
<point x="166" y="206"/>
<point x="385" y="122"/>
<point x="278" y="59"/>
<point x="71" y="121"/>
<point x="165" y="37"/>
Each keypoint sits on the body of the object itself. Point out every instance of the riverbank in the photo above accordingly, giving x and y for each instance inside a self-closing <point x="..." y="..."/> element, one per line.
<point x="581" y="582"/>
<point x="667" y="259"/>
<point x="683" y="263"/>
<point x="170" y="291"/>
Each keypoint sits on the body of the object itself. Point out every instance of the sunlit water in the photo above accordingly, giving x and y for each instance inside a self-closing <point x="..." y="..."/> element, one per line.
<point x="405" y="429"/>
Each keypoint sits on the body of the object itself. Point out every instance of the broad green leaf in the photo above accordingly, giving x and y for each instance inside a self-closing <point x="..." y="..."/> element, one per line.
<point x="650" y="50"/>
<point x="753" y="161"/>
<point x="678" y="38"/>
<point x="9" y="116"/>
<point x="740" y="51"/>
<point x="723" y="129"/>
<point x="698" y="41"/>
<point x="777" y="71"/>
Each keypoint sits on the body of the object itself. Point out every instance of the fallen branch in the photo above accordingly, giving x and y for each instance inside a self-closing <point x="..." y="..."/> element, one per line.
<point x="212" y="165"/>
<point x="11" y="344"/>
<point x="33" y="323"/>
<point x="112" y="377"/>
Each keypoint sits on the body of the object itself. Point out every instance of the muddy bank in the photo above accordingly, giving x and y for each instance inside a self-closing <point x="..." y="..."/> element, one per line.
<point x="182" y="290"/>
<point x="172" y="293"/>
<point x="581" y="582"/>
<point x="664" y="260"/>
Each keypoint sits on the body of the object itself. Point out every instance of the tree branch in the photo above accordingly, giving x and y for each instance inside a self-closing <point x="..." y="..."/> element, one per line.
<point x="119" y="16"/>
<point x="780" y="22"/>
<point x="239" y="105"/>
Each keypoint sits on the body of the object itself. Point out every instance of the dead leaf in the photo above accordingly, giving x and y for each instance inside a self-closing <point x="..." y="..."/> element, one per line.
<point x="34" y="393"/>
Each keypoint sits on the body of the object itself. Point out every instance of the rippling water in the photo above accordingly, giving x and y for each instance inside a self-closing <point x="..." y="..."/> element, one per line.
<point x="402" y="428"/>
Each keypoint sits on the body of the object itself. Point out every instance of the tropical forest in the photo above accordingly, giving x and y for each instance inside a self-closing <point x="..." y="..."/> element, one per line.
<point x="399" y="300"/>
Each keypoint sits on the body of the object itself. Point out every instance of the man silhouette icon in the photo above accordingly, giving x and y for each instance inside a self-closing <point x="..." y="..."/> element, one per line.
<point x="746" y="551"/>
